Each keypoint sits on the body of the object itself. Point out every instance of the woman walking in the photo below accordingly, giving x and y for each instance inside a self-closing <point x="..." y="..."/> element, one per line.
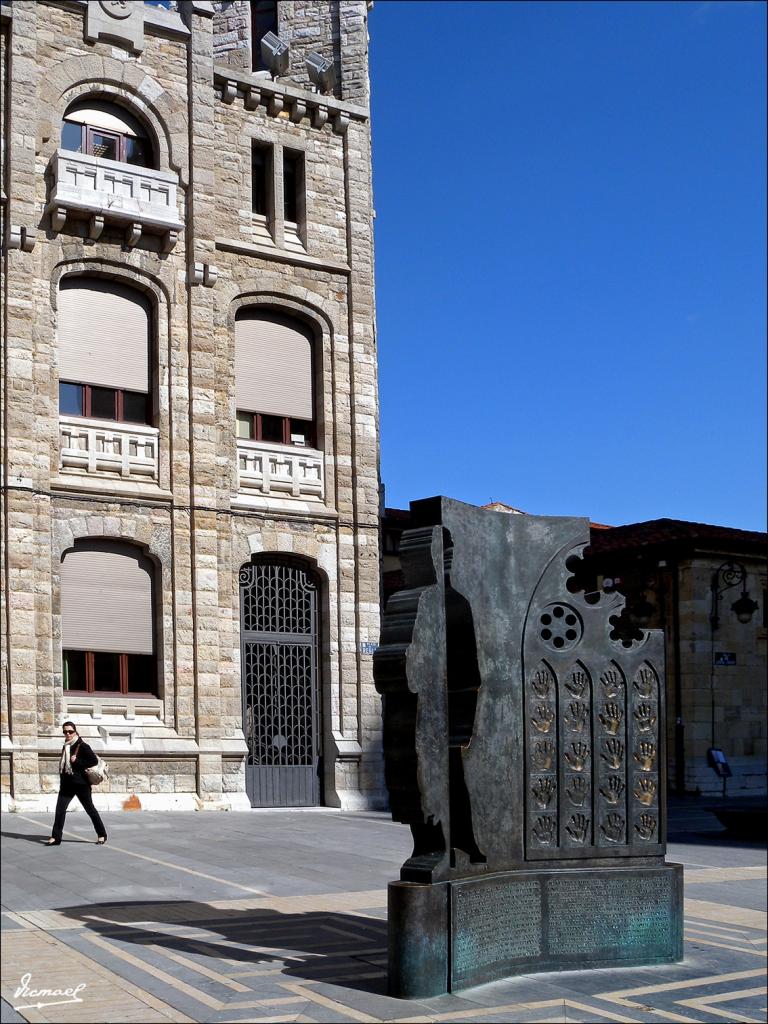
<point x="76" y="756"/>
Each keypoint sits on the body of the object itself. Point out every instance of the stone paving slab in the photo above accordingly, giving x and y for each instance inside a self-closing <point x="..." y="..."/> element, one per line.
<point x="281" y="916"/>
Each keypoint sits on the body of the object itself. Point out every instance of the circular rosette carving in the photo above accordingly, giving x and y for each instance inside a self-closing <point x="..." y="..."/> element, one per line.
<point x="560" y="627"/>
<point x="117" y="8"/>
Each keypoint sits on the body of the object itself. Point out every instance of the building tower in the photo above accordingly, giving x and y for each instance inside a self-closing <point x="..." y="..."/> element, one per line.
<point x="190" y="418"/>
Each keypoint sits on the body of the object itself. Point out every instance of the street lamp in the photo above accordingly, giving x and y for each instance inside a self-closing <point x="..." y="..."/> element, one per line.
<point x="725" y="577"/>
<point x="728" y="575"/>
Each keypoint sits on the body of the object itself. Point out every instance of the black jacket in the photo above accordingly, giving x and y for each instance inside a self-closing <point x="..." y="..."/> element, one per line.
<point x="84" y="758"/>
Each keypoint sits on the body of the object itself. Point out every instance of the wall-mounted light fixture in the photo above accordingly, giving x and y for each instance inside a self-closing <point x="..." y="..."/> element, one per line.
<point x="728" y="575"/>
<point x="724" y="578"/>
<point x="274" y="53"/>
<point x="321" y="72"/>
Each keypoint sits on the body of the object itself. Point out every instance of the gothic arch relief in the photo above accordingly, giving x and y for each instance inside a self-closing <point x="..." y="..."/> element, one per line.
<point x="599" y="800"/>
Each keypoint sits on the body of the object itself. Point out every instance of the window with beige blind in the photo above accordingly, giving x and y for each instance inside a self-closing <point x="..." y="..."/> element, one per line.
<point x="274" y="390"/>
<point x="104" y="345"/>
<point x="100" y="128"/>
<point x="107" y="619"/>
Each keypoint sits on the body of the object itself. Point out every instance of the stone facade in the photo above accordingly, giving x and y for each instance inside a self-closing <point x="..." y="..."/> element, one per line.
<point x="177" y="489"/>
<point x="716" y="665"/>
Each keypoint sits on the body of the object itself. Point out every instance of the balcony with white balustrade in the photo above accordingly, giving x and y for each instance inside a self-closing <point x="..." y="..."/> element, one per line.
<point x="140" y="199"/>
<point x="101" y="449"/>
<point x="279" y="471"/>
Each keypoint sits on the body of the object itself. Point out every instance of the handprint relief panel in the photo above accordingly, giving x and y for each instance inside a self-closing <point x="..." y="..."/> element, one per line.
<point x="611" y="764"/>
<point x="541" y="715"/>
<point x="592" y="757"/>
<point x="644" y="765"/>
<point x="575" y="702"/>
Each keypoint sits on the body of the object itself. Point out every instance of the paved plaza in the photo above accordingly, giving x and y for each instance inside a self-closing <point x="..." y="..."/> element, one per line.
<point x="280" y="916"/>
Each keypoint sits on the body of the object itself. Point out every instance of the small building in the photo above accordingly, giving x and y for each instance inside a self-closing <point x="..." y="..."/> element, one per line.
<point x="706" y="587"/>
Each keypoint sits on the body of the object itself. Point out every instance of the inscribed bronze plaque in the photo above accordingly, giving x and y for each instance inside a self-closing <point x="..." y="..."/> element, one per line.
<point x="494" y="922"/>
<point x="610" y="918"/>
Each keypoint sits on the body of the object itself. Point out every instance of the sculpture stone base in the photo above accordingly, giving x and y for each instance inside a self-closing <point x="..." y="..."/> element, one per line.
<point x="451" y="935"/>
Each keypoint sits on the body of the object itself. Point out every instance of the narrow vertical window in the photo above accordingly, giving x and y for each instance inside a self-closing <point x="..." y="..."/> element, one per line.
<point x="263" y="20"/>
<point x="260" y="179"/>
<point x="291" y="183"/>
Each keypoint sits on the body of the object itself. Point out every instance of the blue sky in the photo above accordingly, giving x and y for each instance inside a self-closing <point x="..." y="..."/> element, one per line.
<point x="571" y="256"/>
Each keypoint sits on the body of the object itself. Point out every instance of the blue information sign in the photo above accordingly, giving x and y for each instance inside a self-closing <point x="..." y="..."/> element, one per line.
<point x="725" y="658"/>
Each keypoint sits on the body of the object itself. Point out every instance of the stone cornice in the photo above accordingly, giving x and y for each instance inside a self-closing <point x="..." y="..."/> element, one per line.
<point x="278" y="96"/>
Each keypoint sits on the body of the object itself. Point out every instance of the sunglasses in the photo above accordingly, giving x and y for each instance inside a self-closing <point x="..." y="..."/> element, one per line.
<point x="69" y="732"/>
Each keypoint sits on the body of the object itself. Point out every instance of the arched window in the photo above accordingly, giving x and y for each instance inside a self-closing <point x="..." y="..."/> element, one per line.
<point x="107" y="619"/>
<point x="273" y="379"/>
<point x="104" y="129"/>
<point x="104" y="350"/>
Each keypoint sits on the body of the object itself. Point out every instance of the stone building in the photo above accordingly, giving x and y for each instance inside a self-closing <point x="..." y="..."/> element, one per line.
<point x="190" y="418"/>
<point x="707" y="587"/>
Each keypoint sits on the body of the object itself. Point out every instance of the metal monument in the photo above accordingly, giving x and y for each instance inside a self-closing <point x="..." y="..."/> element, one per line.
<point x="524" y="745"/>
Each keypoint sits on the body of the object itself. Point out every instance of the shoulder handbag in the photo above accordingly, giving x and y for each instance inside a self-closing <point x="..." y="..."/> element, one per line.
<point x="97" y="773"/>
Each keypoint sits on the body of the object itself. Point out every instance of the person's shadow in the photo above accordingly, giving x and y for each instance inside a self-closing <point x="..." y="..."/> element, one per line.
<point x="331" y="945"/>
<point x="40" y="840"/>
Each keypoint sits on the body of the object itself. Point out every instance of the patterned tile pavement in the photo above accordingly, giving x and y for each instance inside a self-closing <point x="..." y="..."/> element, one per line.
<point x="280" y="916"/>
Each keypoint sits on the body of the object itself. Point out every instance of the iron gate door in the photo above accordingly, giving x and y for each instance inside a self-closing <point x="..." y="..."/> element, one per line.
<point x="278" y="650"/>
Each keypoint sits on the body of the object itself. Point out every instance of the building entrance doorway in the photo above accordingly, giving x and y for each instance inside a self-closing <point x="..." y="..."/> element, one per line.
<point x="278" y="652"/>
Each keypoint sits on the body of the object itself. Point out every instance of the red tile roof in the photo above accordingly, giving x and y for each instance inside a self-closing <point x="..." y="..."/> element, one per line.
<point x="672" y="532"/>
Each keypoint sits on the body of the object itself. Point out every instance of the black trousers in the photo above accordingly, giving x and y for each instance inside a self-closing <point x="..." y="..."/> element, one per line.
<point x="83" y="793"/>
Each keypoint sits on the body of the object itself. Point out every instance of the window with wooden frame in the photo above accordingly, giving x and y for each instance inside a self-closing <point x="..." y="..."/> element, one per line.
<point x="257" y="426"/>
<point x="107" y="619"/>
<point x="106" y="672"/>
<point x="103" y="403"/>
<point x="104" y="345"/>
<point x="106" y="130"/>
<point x="274" y="374"/>
<point x="263" y="19"/>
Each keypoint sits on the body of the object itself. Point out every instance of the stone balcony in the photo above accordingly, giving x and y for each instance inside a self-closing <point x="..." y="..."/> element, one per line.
<point x="279" y="470"/>
<point x="100" y="448"/>
<point x="139" y="199"/>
